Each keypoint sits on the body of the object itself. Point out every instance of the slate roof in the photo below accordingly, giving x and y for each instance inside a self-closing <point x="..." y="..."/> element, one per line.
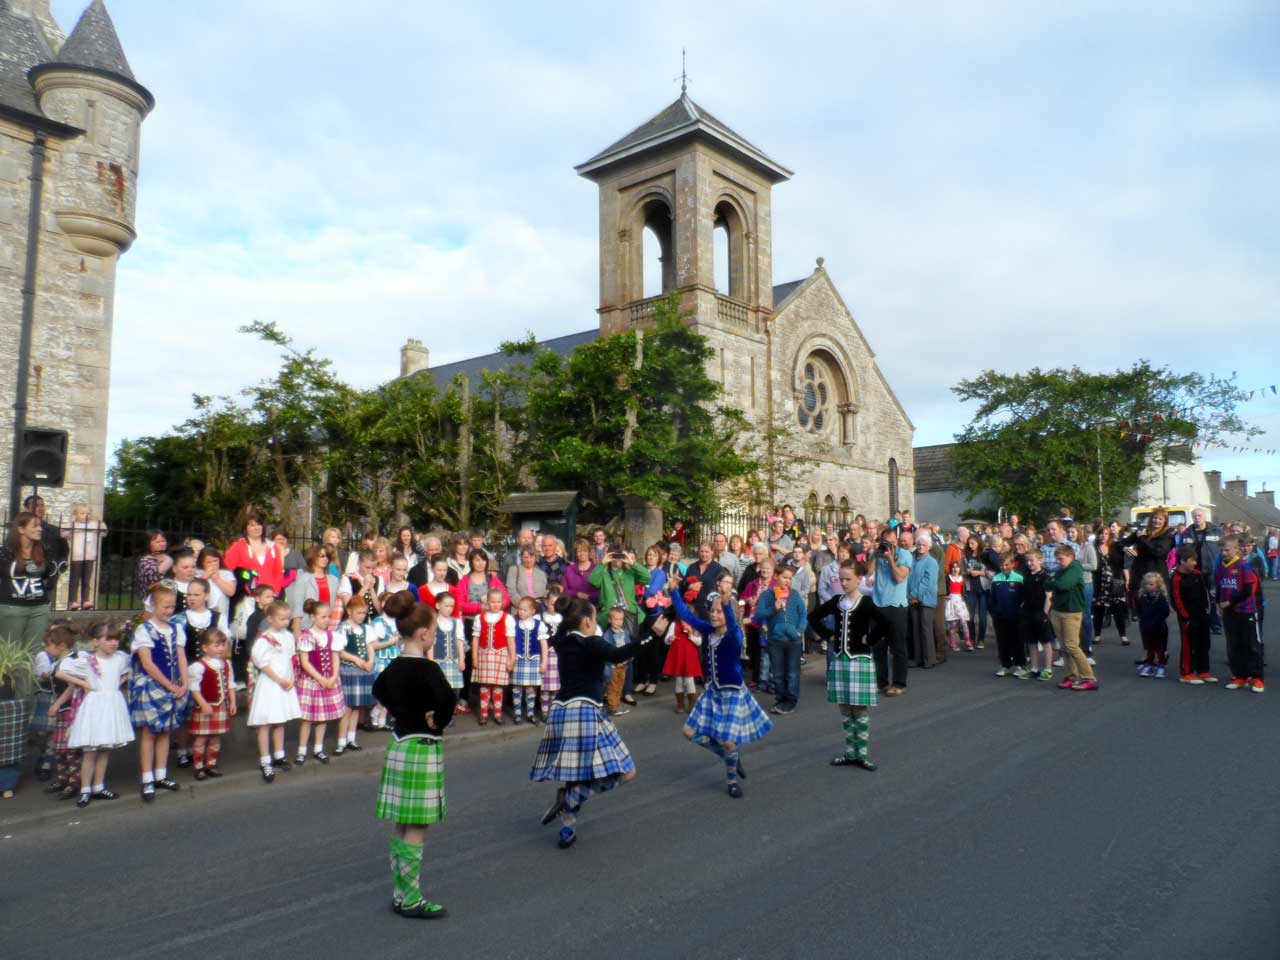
<point x="1257" y="514"/>
<point x="94" y="43"/>
<point x="22" y="46"/>
<point x="540" y="501"/>
<point x="933" y="466"/>
<point x="496" y="362"/>
<point x="681" y="119"/>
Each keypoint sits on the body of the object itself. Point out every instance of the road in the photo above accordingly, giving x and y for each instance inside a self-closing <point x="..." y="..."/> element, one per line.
<point x="1008" y="819"/>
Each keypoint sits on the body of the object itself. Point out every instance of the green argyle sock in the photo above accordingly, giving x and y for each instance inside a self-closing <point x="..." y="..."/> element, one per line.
<point x="862" y="735"/>
<point x="850" y="737"/>
<point x="406" y="865"/>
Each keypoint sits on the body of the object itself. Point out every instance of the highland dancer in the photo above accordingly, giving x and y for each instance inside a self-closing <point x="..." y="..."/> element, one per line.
<point x="581" y="747"/>
<point x="415" y="692"/>
<point x="726" y="716"/>
<point x="851" y="672"/>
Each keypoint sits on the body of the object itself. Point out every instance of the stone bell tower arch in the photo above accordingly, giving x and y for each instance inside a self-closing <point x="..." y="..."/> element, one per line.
<point x="682" y="174"/>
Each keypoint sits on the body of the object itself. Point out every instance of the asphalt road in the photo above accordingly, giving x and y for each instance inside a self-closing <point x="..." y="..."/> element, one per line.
<point x="1008" y="819"/>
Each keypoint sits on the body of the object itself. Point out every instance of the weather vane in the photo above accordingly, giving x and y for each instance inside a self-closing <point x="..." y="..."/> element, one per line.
<point x="684" y="75"/>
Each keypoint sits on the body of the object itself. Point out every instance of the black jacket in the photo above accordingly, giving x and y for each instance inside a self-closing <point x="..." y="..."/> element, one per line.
<point x="410" y="687"/>
<point x="1153" y="557"/>
<point x="852" y="627"/>
<point x="25" y="583"/>
<point x="582" y="661"/>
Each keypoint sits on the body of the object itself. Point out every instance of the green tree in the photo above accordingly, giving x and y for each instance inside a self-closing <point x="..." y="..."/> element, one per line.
<point x="1033" y="443"/>
<point x="634" y="413"/>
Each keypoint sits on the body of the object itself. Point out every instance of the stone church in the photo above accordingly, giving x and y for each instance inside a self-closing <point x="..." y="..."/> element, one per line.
<point x="789" y="354"/>
<point x="71" y="112"/>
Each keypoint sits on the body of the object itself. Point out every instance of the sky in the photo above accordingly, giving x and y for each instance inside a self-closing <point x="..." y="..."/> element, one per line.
<point x="999" y="185"/>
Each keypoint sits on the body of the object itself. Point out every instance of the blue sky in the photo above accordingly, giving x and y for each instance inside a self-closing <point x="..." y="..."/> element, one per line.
<point x="1006" y="184"/>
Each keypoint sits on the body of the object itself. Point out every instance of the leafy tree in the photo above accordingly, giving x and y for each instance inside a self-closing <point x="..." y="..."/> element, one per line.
<point x="632" y="414"/>
<point x="1033" y="443"/>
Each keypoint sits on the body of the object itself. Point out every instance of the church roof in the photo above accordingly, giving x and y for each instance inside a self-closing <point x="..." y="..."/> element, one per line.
<point x="22" y="46"/>
<point x="681" y="119"/>
<point x="94" y="43"/>
<point x="496" y="362"/>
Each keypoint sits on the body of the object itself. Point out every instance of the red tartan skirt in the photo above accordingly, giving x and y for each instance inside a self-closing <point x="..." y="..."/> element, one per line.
<point x="62" y="724"/>
<point x="213" y="725"/>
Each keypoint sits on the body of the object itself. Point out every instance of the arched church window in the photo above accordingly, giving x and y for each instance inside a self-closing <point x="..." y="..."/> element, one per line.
<point x="893" y="486"/>
<point x="844" y="511"/>
<point x="811" y="508"/>
<point x="657" y="249"/>
<point x="817" y="401"/>
<point x="829" y="510"/>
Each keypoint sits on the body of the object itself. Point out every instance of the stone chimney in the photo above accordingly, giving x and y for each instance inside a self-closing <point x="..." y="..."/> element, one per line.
<point x="413" y="357"/>
<point x="1214" y="479"/>
<point x="1238" y="487"/>
<point x="1266" y="496"/>
<point x="38" y="11"/>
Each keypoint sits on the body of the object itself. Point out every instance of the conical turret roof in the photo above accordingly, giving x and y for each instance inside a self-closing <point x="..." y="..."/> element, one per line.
<point x="94" y="43"/>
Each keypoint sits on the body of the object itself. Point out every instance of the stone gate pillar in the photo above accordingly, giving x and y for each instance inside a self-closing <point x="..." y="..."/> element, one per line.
<point x="642" y="523"/>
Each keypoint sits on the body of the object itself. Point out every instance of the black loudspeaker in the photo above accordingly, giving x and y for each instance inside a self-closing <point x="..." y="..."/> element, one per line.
<point x="43" y="462"/>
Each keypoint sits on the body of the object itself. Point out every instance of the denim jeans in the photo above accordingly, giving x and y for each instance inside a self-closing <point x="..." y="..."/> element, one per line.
<point x="977" y="601"/>
<point x="1086" y="623"/>
<point x="784" y="661"/>
<point x="1275" y="568"/>
<point x="766" y="670"/>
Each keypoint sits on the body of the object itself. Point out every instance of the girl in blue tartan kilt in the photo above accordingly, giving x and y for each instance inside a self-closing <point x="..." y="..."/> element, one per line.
<point x="580" y="747"/>
<point x="851" y="673"/>
<point x="355" y="669"/>
<point x="531" y="655"/>
<point x="726" y="716"/>
<point x="415" y="692"/>
<point x="158" y="696"/>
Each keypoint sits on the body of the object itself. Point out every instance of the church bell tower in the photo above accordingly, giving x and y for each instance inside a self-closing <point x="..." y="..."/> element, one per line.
<point x="683" y="174"/>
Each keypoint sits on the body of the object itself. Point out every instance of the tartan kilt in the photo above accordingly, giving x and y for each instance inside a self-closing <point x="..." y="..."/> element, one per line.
<point x="580" y="744"/>
<point x="317" y="704"/>
<point x="412" y="786"/>
<point x="14" y="716"/>
<point x="528" y="673"/>
<point x="491" y="668"/>
<point x="730" y="715"/>
<point x="62" y="725"/>
<point x="357" y="685"/>
<point x="154" y="707"/>
<point x="551" y="679"/>
<point x="41" y="722"/>
<point x="451" y="672"/>
<point x="213" y="725"/>
<point x="852" y="680"/>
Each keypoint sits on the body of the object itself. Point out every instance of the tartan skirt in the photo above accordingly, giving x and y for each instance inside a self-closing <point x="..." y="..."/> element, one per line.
<point x="852" y="680"/>
<point x="412" y="786"/>
<point x="729" y="715"/>
<point x="41" y="722"/>
<point x="551" y="679"/>
<point x="213" y="725"/>
<point x="491" y="668"/>
<point x="154" y="707"/>
<point x="62" y="725"/>
<point x="451" y="672"/>
<point x="317" y="704"/>
<point x="528" y="673"/>
<point x="357" y="685"/>
<point x="580" y="744"/>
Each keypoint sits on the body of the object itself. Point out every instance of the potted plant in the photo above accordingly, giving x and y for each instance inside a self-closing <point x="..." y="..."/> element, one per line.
<point x="16" y="675"/>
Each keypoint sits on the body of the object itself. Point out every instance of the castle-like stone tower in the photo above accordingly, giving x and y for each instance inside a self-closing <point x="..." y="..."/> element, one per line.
<point x="70" y="116"/>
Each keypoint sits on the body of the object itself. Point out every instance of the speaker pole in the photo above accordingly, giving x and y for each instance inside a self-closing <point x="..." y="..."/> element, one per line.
<point x="28" y="316"/>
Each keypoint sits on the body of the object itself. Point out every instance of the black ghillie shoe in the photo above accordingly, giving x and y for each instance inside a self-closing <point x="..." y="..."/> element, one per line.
<point x="735" y="791"/>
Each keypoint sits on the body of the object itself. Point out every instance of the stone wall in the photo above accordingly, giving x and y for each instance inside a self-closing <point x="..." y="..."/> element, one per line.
<point x="94" y="176"/>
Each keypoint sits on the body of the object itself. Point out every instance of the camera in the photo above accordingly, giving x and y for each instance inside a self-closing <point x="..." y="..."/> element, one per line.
<point x="617" y="555"/>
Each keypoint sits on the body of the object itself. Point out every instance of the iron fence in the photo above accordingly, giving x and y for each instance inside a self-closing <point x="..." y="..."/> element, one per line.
<point x="743" y="522"/>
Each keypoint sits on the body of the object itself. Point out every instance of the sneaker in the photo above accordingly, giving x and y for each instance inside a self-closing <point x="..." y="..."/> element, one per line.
<point x="980" y="645"/>
<point x="1146" y="670"/>
<point x="1092" y="662"/>
<point x="620" y="712"/>
<point x="1160" y="672"/>
<point x="1059" y="662"/>
<point x="1208" y="678"/>
<point x="568" y="837"/>
<point x="1191" y="678"/>
<point x="1236" y="683"/>
<point x="1046" y="674"/>
<point x="1085" y="685"/>
<point x="1020" y="673"/>
<point x="1032" y="675"/>
<point x="955" y="646"/>
<point x="1256" y="685"/>
<point x="1002" y="672"/>
<point x="1067" y="684"/>
<point x="968" y="648"/>
<point x="787" y="710"/>
<point x="1124" y="641"/>
<point x="777" y="710"/>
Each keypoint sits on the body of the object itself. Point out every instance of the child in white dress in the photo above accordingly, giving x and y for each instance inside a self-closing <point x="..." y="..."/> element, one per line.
<point x="102" y="719"/>
<point x="275" y="701"/>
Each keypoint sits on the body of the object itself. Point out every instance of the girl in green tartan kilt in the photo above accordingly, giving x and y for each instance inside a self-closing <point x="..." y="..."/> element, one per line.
<point x="851" y="673"/>
<point x="415" y="691"/>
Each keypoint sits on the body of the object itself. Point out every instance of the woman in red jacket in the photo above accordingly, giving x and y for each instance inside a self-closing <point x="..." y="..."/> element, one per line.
<point x="470" y="591"/>
<point x="254" y="559"/>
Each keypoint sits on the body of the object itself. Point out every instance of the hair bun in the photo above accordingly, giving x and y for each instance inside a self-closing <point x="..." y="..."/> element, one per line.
<point x="399" y="604"/>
